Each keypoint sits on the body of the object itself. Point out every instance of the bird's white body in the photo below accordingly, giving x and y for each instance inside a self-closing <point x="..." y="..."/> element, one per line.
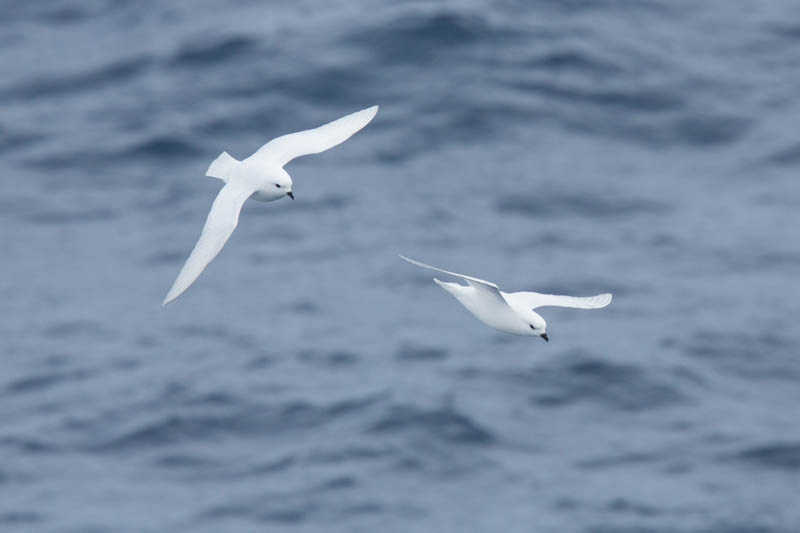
<point x="510" y="312"/>
<point x="495" y="312"/>
<point x="261" y="177"/>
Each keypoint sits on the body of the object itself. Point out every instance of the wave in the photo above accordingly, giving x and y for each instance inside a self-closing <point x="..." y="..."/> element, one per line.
<point x="236" y="419"/>
<point x="205" y="53"/>
<point x="560" y="204"/>
<point x="781" y="456"/>
<point x="55" y="86"/>
<point x="445" y="424"/>
<point x="579" y="378"/>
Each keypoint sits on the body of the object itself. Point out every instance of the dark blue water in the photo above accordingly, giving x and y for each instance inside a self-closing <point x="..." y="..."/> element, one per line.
<point x="311" y="380"/>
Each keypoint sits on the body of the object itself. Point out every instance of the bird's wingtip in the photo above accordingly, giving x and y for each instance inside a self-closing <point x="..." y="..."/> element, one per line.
<point x="171" y="295"/>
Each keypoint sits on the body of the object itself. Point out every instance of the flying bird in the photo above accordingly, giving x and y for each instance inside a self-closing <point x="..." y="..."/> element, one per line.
<point x="262" y="177"/>
<point x="510" y="312"/>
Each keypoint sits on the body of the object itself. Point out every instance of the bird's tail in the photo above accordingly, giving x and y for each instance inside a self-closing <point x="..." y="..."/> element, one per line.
<point x="222" y="167"/>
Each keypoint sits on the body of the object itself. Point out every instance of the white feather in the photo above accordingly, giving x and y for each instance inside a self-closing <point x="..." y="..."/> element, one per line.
<point x="221" y="221"/>
<point x="283" y="149"/>
<point x="534" y="300"/>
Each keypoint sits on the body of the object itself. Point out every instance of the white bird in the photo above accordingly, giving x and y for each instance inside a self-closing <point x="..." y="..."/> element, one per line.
<point x="510" y="312"/>
<point x="261" y="176"/>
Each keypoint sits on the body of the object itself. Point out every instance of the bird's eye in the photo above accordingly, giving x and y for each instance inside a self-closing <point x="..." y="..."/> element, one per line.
<point x="533" y="328"/>
<point x="278" y="185"/>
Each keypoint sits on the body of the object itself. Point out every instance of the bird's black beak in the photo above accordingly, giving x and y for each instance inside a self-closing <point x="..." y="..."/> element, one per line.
<point x="544" y="336"/>
<point x="290" y="194"/>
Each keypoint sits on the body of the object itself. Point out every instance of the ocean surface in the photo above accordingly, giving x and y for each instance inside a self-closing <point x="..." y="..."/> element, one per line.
<point x="311" y="380"/>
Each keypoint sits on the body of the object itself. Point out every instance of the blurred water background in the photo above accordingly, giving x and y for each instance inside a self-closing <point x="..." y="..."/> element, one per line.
<point x="312" y="381"/>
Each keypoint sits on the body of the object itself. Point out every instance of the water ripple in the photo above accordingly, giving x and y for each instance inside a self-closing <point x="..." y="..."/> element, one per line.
<point x="444" y="424"/>
<point x="779" y="456"/>
<point x="578" y="378"/>
<point x="234" y="420"/>
<point x="204" y="53"/>
<point x="565" y="204"/>
<point x="641" y="100"/>
<point x="66" y="84"/>
<point x="424" y="37"/>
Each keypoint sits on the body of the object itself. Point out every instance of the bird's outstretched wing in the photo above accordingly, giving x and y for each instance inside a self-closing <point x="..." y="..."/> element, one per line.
<point x="532" y="300"/>
<point x="283" y="149"/>
<point x="221" y="221"/>
<point x="479" y="284"/>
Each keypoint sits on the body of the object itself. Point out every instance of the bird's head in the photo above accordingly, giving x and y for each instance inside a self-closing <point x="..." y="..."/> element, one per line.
<point x="283" y="186"/>
<point x="537" y="326"/>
